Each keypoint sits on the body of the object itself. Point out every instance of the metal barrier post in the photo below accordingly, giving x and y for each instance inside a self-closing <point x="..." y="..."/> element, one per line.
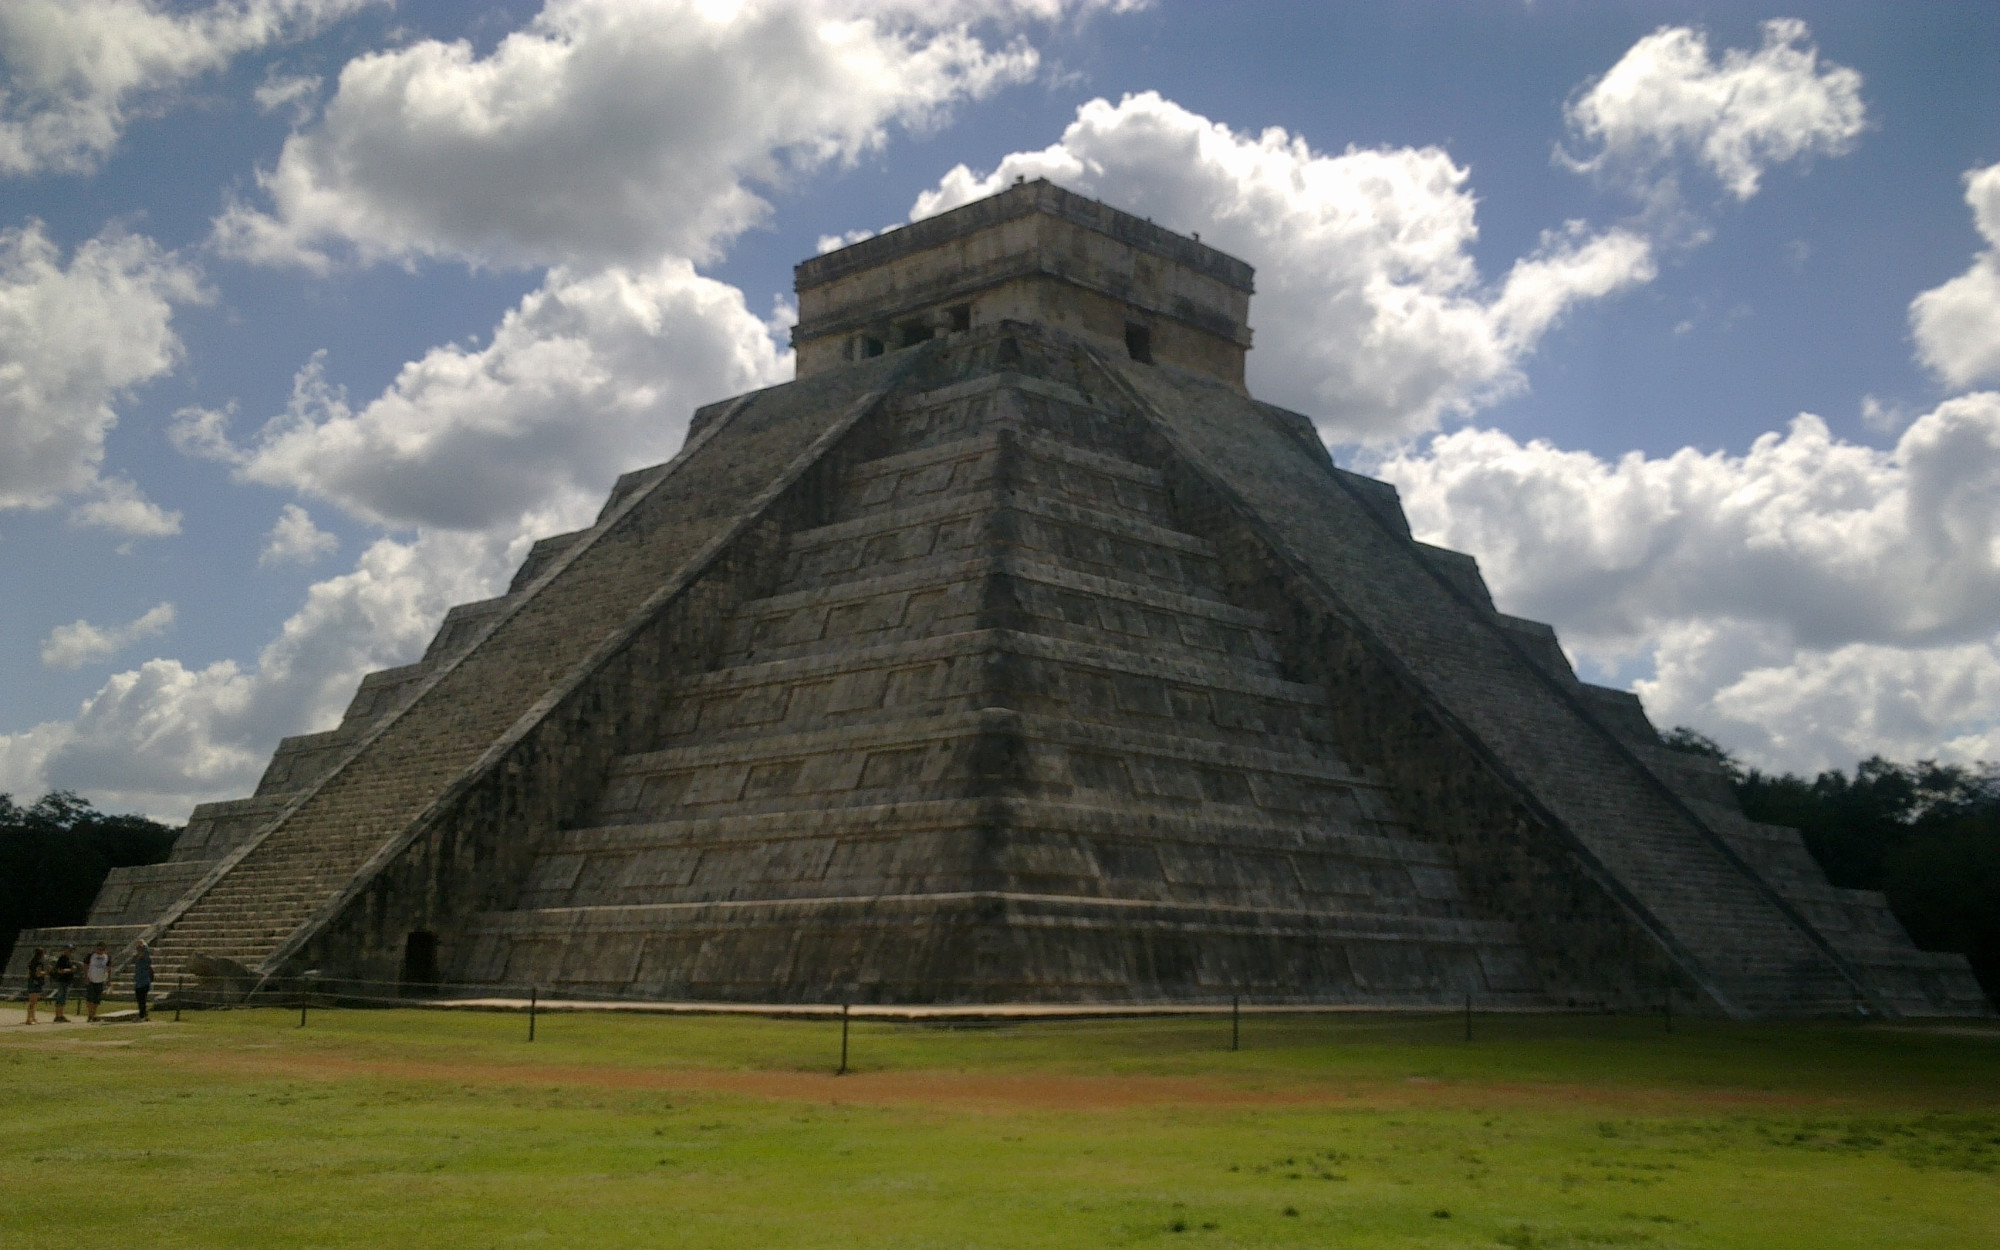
<point x="180" y="993"/>
<point x="531" y="1013"/>
<point x="843" y="1039"/>
<point x="1235" y="1022"/>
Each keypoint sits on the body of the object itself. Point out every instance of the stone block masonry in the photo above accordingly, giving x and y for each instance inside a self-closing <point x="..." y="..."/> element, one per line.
<point x="1021" y="658"/>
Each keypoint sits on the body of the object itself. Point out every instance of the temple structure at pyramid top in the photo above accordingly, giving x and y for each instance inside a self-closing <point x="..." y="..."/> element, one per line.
<point x="1012" y="652"/>
<point x="1037" y="254"/>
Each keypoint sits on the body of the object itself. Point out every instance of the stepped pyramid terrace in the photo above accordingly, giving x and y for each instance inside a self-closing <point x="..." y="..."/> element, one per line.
<point x="1013" y="652"/>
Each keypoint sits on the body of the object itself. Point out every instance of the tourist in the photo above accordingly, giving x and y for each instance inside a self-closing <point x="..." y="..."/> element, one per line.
<point x="96" y="975"/>
<point x="142" y="977"/>
<point x="38" y="977"/>
<point x="63" y="974"/>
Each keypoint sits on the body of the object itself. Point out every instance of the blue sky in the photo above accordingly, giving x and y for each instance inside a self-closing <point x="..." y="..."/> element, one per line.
<point x="313" y="313"/>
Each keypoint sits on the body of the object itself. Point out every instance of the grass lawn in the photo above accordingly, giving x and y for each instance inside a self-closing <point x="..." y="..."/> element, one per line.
<point x="389" y="1128"/>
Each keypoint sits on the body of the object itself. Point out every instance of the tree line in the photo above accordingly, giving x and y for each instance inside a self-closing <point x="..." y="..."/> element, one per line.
<point x="1926" y="834"/>
<point x="55" y="853"/>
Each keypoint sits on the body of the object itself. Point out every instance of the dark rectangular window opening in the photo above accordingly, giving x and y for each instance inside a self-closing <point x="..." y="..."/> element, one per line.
<point x="870" y="346"/>
<point x="911" y="333"/>
<point x="961" y="318"/>
<point x="1139" y="343"/>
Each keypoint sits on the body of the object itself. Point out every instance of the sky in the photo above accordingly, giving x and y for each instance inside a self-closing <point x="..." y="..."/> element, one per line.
<point x="1683" y="318"/>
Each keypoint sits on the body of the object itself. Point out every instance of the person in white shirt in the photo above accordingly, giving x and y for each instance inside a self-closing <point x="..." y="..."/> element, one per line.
<point x="96" y="975"/>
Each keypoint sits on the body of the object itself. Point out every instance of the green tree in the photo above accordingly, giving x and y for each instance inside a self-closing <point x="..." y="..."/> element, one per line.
<point x="1927" y="835"/>
<point x="54" y="855"/>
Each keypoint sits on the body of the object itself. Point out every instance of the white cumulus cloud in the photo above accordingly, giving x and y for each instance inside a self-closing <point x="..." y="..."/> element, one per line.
<point x="119" y="505"/>
<point x="480" y="452"/>
<point x="608" y="131"/>
<point x="294" y="539"/>
<point x="73" y="339"/>
<point x="1668" y="99"/>
<point x="295" y="92"/>
<point x="1957" y="325"/>
<point x="587" y="377"/>
<point x="1370" y="313"/>
<point x="79" y="642"/>
<point x="1804" y="710"/>
<point x="1810" y="600"/>
<point x="162" y="737"/>
<point x="77" y="71"/>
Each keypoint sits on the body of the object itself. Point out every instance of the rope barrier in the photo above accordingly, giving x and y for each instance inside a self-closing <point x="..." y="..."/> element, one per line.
<point x="1350" y="1021"/>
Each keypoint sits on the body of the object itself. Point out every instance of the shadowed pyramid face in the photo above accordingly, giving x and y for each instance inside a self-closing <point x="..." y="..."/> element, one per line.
<point x="1011" y="652"/>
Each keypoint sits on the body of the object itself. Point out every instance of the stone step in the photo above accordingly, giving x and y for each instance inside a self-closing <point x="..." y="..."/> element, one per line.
<point x="954" y="593"/>
<point x="1372" y="832"/>
<point x="937" y="757"/>
<point x="992" y="499"/>
<point x="1032" y="463"/>
<point x="1195" y="694"/>
<point x="1031" y="442"/>
<point x="1297" y="758"/>
<point x="461" y="625"/>
<point x="540" y="556"/>
<point x="1357" y="924"/>
<point x="1218" y="854"/>
<point x="654" y="948"/>
<point x="1039" y="568"/>
<point x="1105" y="543"/>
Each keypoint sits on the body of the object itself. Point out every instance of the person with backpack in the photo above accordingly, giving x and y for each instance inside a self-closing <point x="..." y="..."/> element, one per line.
<point x="63" y="974"/>
<point x="96" y="977"/>
<point x="38" y="979"/>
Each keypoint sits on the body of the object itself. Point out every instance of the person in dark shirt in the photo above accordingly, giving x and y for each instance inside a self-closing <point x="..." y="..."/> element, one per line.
<point x="142" y="978"/>
<point x="38" y="980"/>
<point x="63" y="974"/>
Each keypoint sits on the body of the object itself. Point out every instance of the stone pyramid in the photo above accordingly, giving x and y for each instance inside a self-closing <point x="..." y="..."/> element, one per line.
<point x="1013" y="652"/>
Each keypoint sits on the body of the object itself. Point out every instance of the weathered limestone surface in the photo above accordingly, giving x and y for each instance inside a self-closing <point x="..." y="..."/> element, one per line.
<point x="1392" y="605"/>
<point x="998" y="732"/>
<point x="1029" y="660"/>
<point x="1033" y="253"/>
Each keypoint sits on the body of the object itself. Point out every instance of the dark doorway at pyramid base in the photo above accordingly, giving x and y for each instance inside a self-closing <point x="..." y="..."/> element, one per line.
<point x="420" y="960"/>
<point x="994" y="948"/>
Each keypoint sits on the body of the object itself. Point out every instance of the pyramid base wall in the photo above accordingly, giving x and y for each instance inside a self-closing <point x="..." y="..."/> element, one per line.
<point x="990" y="947"/>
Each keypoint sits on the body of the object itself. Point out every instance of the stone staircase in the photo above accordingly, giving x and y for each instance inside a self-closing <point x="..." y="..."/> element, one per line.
<point x="263" y="900"/>
<point x="133" y="899"/>
<point x="411" y="732"/>
<point x="1576" y="756"/>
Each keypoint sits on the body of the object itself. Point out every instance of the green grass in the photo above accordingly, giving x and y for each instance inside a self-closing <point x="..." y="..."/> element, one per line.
<point x="373" y="1128"/>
